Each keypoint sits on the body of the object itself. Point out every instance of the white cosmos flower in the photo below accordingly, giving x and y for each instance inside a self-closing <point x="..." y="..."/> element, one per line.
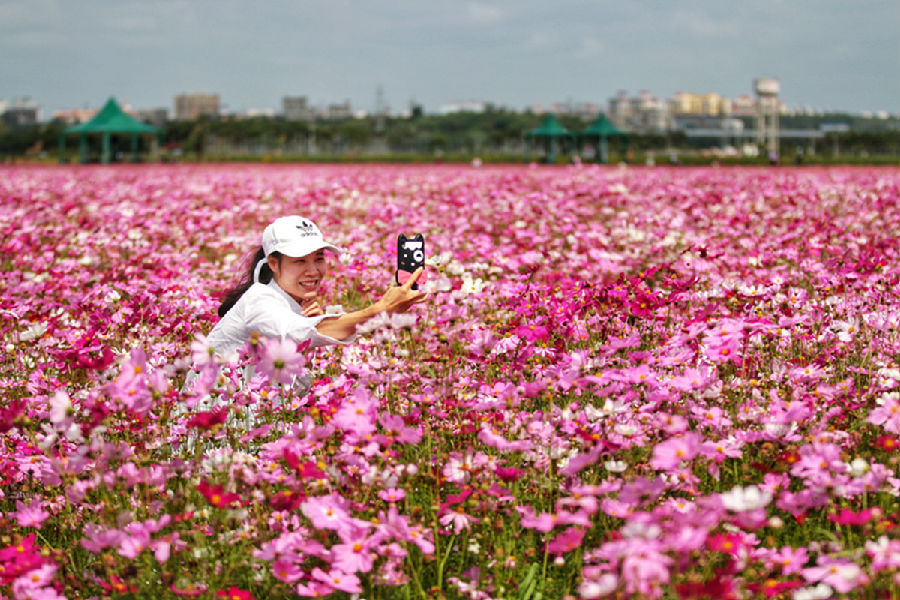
<point x="745" y="498"/>
<point x="473" y="286"/>
<point x="35" y="331"/>
<point x="602" y="586"/>
<point x="615" y="466"/>
<point x="819" y="592"/>
<point x="858" y="467"/>
<point x="60" y="408"/>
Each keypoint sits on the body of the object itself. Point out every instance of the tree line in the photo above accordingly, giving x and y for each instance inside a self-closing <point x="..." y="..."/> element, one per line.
<point x="496" y="132"/>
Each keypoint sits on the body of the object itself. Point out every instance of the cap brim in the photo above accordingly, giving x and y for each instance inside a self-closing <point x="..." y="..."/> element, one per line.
<point x="298" y="250"/>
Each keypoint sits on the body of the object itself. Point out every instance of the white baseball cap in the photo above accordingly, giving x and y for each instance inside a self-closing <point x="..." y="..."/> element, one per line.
<point x="293" y="236"/>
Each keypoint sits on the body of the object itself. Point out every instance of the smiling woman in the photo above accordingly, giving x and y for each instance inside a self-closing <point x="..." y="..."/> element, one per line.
<point x="278" y="296"/>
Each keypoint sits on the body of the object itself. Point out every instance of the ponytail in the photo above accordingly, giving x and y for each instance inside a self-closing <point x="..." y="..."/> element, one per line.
<point x="235" y="293"/>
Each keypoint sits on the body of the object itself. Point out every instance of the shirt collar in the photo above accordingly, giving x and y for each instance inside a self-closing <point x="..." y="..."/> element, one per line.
<point x="295" y="306"/>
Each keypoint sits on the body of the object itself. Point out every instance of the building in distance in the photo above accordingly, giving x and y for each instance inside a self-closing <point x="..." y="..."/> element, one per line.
<point x="297" y="108"/>
<point x="158" y="117"/>
<point x="644" y="113"/>
<point x="469" y="106"/>
<point x="19" y="112"/>
<point x="583" y="110"/>
<point x="190" y="106"/>
<point x="73" y="116"/>
<point x="342" y="110"/>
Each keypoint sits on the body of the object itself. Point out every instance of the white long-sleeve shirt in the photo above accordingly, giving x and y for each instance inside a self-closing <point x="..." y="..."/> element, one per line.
<point x="269" y="310"/>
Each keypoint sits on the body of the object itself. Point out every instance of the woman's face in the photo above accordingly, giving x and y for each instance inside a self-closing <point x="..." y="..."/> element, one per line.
<point x="300" y="276"/>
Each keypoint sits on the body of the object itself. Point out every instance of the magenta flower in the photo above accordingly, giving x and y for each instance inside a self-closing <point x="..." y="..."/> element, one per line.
<point x="566" y="541"/>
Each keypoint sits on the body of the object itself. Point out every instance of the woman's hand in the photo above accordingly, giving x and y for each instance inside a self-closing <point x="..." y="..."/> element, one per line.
<point x="399" y="299"/>
<point x="310" y="306"/>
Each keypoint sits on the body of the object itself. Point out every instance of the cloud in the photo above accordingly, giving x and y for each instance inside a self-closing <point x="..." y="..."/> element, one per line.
<point x="484" y="13"/>
<point x="590" y="48"/>
<point x="15" y="14"/>
<point x="34" y="38"/>
<point x="130" y="23"/>
<point x="703" y="25"/>
<point x="537" y="40"/>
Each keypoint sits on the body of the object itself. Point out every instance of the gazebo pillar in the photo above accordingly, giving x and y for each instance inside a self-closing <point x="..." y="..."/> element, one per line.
<point x="603" y="150"/>
<point x="104" y="155"/>
<point x="551" y="155"/>
<point x="134" y="146"/>
<point x="82" y="148"/>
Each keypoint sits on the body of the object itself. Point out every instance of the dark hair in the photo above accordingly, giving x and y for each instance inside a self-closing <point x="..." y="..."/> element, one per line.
<point x="265" y="276"/>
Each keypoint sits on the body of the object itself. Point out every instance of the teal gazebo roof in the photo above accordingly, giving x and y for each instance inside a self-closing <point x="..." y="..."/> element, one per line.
<point x="601" y="127"/>
<point x="550" y="128"/>
<point x="112" y="119"/>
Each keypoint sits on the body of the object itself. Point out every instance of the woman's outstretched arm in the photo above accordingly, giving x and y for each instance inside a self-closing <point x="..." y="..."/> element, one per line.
<point x="396" y="299"/>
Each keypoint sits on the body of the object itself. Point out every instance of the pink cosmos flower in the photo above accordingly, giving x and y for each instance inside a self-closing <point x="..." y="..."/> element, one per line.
<point x="397" y="526"/>
<point x="314" y="589"/>
<point x="354" y="555"/>
<point x="542" y="522"/>
<point x="32" y="515"/>
<point x="33" y="584"/>
<point x="392" y="495"/>
<point x="338" y="580"/>
<point x="671" y="453"/>
<point x="888" y="413"/>
<point x="460" y="520"/>
<point x="286" y="570"/>
<point x="791" y="560"/>
<point x="357" y="415"/>
<point x="131" y="388"/>
<point x="885" y="553"/>
<point x="202" y="353"/>
<point x="645" y="567"/>
<point x="280" y="361"/>
<point x="327" y="512"/>
<point x="692" y="378"/>
<point x="840" y="574"/>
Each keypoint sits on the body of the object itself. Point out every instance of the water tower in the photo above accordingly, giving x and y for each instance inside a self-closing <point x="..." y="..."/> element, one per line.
<point x="767" y="90"/>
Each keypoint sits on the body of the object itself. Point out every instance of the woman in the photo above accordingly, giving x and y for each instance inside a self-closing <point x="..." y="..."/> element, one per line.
<point x="277" y="298"/>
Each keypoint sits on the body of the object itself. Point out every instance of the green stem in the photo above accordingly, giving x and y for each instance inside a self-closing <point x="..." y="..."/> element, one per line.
<point x="443" y="561"/>
<point x="544" y="568"/>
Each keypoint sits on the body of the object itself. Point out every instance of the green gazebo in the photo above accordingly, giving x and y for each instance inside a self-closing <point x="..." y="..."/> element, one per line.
<point x="549" y="131"/>
<point x="110" y="120"/>
<point x="601" y="130"/>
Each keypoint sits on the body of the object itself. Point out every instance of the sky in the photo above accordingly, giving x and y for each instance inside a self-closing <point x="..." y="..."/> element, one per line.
<point x="826" y="54"/>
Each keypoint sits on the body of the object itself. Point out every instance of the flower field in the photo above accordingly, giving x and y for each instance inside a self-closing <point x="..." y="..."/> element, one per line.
<point x="657" y="383"/>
